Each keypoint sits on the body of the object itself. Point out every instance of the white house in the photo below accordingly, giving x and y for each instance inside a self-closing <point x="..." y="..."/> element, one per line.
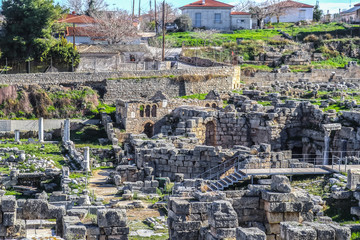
<point x="291" y="11"/>
<point x="241" y="20"/>
<point x="351" y="15"/>
<point x="211" y="14"/>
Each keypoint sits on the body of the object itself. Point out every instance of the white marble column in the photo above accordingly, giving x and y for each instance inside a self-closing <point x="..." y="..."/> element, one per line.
<point x="17" y="136"/>
<point x="41" y="130"/>
<point x="87" y="159"/>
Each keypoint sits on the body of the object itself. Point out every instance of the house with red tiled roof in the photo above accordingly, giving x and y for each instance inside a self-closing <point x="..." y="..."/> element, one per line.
<point x="292" y="11"/>
<point x="351" y="15"/>
<point x="212" y="14"/>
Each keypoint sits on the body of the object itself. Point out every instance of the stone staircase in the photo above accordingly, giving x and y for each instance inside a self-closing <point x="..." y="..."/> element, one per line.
<point x="227" y="181"/>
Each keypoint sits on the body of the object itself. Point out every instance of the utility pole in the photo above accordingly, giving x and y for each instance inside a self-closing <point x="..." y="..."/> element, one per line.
<point x="74" y="35"/>
<point x="133" y="10"/>
<point x="139" y="9"/>
<point x="163" y="31"/>
<point x="150" y="11"/>
<point x="156" y="28"/>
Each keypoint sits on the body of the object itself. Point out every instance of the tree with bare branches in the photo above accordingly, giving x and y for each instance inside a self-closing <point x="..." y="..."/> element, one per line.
<point x="205" y="35"/>
<point x="76" y="6"/>
<point x="115" y="26"/>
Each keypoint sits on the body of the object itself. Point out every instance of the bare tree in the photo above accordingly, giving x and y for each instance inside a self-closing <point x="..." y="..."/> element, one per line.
<point x="115" y="27"/>
<point x="94" y="6"/>
<point x="171" y="13"/>
<point x="76" y="6"/>
<point x="156" y="47"/>
<point x="243" y="6"/>
<point x="260" y="11"/>
<point x="205" y="35"/>
<point x="278" y="8"/>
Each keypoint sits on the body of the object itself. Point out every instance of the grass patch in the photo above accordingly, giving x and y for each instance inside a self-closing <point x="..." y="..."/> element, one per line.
<point x="50" y="151"/>
<point x="200" y="96"/>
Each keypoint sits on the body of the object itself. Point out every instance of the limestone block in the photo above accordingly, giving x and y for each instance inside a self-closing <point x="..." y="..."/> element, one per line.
<point x="272" y="228"/>
<point x="274" y="217"/>
<point x="353" y="178"/>
<point x="111" y="218"/>
<point x="280" y="184"/>
<point x="341" y="233"/>
<point x="249" y="234"/>
<point x="224" y="233"/>
<point x="222" y="215"/>
<point x="293" y="230"/>
<point x="199" y="207"/>
<point x="186" y="226"/>
<point x="246" y="202"/>
<point x="8" y="204"/>
<point x="9" y="218"/>
<point x="277" y="197"/>
<point x="323" y="231"/>
<point x="291" y="216"/>
<point x="341" y="194"/>
<point x="180" y="206"/>
<point x="117" y="237"/>
<point x="75" y="232"/>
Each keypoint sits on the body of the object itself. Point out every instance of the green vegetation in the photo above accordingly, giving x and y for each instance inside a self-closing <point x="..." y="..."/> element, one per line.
<point x="4" y="170"/>
<point x="77" y="175"/>
<point x="264" y="103"/>
<point x="200" y="96"/>
<point x="88" y="136"/>
<point x="13" y="193"/>
<point x="32" y="39"/>
<point x="252" y="67"/>
<point x="355" y="236"/>
<point x="50" y="151"/>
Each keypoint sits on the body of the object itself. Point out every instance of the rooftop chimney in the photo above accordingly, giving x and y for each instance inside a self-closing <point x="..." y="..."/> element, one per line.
<point x="203" y="3"/>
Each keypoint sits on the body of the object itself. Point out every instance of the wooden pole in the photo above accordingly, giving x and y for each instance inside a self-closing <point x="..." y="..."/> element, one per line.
<point x="133" y="10"/>
<point x="74" y="35"/>
<point x="156" y="28"/>
<point x="139" y="8"/>
<point x="163" y="31"/>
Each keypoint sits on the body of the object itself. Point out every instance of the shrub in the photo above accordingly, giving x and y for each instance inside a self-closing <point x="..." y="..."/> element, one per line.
<point x="311" y="38"/>
<point x="328" y="36"/>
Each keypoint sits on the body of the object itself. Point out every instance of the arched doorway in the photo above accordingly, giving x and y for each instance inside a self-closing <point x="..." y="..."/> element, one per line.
<point x="149" y="129"/>
<point x="210" y="134"/>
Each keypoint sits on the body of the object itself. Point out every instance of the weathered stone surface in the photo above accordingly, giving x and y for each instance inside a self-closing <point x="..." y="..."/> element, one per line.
<point x="293" y="230"/>
<point x="323" y="231"/>
<point x="75" y="232"/>
<point x="249" y="234"/>
<point x="277" y="197"/>
<point x="280" y="184"/>
<point x="8" y="204"/>
<point x="111" y="218"/>
<point x="180" y="206"/>
<point x="9" y="218"/>
<point x="341" y="233"/>
<point x="222" y="215"/>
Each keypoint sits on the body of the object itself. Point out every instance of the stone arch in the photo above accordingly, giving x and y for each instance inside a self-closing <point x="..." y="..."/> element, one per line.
<point x="153" y="111"/>
<point x="142" y="110"/>
<point x="147" y="110"/>
<point x="210" y="133"/>
<point x="149" y="129"/>
<point x="214" y="105"/>
<point x="207" y="105"/>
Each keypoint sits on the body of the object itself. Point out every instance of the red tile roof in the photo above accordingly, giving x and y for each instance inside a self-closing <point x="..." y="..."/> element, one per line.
<point x="293" y="4"/>
<point x="240" y="13"/>
<point x="208" y="3"/>
<point x="79" y="19"/>
<point x="82" y="32"/>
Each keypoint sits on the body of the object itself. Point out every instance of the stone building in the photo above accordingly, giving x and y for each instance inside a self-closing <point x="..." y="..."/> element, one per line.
<point x="149" y="116"/>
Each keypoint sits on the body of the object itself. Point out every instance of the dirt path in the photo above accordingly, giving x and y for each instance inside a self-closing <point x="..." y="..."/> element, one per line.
<point x="100" y="187"/>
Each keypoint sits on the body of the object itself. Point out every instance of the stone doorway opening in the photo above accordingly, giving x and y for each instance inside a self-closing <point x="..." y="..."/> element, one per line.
<point x="149" y="129"/>
<point x="210" y="134"/>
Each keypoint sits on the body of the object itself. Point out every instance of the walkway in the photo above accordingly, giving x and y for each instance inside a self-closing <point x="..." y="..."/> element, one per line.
<point x="325" y="169"/>
<point x="100" y="187"/>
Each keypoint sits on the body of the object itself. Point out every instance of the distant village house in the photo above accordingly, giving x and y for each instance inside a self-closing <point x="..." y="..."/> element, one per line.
<point x="351" y="15"/>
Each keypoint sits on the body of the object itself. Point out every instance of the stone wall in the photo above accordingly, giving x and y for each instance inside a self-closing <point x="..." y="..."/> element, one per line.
<point x="217" y="215"/>
<point x="133" y="84"/>
<point x="316" y="75"/>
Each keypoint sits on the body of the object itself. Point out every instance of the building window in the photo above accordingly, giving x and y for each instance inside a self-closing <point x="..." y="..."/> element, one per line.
<point x="217" y="17"/>
<point x="240" y="21"/>
<point x="198" y="20"/>
<point x="302" y="14"/>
